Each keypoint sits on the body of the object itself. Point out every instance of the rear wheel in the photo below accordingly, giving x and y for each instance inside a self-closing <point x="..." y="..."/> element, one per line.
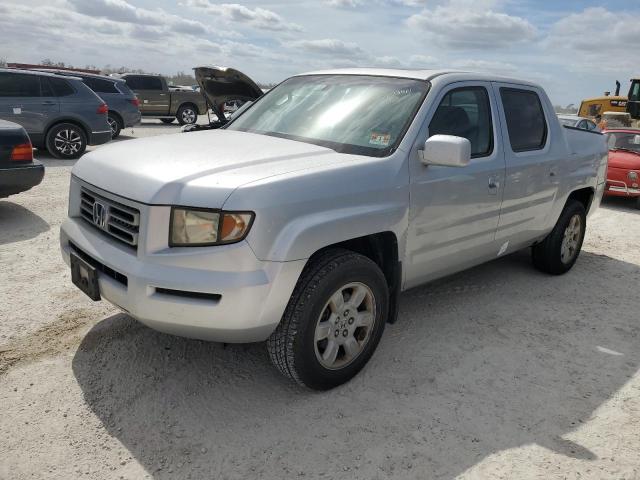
<point x="167" y="120"/>
<point x="66" y="140"/>
<point x="187" y="115"/>
<point x="557" y="253"/>
<point x="333" y="322"/>
<point x="115" y="124"/>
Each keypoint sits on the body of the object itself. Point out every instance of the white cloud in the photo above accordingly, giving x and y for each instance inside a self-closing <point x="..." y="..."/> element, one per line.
<point x="463" y="25"/>
<point x="233" y="12"/>
<point x="475" y="65"/>
<point x="329" y="46"/>
<point x="344" y="3"/>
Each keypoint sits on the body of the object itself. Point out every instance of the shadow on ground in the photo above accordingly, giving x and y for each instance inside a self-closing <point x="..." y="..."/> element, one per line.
<point x="622" y="204"/>
<point x="490" y="359"/>
<point x="18" y="223"/>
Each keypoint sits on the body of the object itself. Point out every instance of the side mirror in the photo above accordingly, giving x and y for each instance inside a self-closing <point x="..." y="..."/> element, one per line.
<point x="446" y="150"/>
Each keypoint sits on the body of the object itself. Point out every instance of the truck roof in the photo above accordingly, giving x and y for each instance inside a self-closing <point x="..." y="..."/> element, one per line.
<point x="454" y="75"/>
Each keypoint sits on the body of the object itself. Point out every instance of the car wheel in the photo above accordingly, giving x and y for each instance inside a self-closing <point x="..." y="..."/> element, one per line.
<point x="557" y="253"/>
<point x="333" y="322"/>
<point x="187" y="115"/>
<point x="114" y="125"/>
<point x="167" y="120"/>
<point x="66" y="140"/>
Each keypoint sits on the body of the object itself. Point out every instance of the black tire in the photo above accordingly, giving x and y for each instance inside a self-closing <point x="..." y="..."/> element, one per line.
<point x="167" y="120"/>
<point x="547" y="255"/>
<point x="66" y="141"/>
<point x="293" y="348"/>
<point x="115" y="124"/>
<point x="187" y="114"/>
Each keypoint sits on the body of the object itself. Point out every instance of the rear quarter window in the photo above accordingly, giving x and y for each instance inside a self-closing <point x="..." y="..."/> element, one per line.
<point x="526" y="122"/>
<point x="99" y="85"/>
<point x="61" y="87"/>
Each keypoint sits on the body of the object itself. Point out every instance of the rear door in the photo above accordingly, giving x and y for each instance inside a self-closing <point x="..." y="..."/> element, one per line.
<point x="533" y="167"/>
<point x="21" y="101"/>
<point x="154" y="100"/>
<point x="454" y="211"/>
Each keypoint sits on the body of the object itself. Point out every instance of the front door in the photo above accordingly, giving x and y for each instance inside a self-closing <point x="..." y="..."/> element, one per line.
<point x="21" y="102"/>
<point x="454" y="211"/>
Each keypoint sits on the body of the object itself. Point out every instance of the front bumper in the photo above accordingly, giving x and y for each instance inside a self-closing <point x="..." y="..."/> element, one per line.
<point x="19" y="178"/>
<point x="244" y="297"/>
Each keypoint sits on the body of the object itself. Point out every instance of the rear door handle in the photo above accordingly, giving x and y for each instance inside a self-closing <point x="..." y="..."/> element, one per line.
<point x="494" y="185"/>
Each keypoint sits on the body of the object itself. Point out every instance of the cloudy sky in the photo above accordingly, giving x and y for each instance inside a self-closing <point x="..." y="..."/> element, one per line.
<point x="575" y="48"/>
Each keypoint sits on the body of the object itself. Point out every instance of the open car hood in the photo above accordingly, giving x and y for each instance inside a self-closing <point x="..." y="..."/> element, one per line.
<point x="223" y="84"/>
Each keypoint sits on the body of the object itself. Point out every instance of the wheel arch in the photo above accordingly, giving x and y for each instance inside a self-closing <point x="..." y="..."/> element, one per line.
<point x="188" y="102"/>
<point x="117" y="116"/>
<point x="78" y="123"/>
<point x="584" y="196"/>
<point x="382" y="249"/>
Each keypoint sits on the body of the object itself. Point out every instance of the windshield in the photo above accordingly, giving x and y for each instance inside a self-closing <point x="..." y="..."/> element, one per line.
<point x="624" y="141"/>
<point x="569" y="122"/>
<point x="357" y="114"/>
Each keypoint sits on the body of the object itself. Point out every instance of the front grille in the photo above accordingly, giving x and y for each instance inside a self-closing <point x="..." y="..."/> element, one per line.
<point x="120" y="221"/>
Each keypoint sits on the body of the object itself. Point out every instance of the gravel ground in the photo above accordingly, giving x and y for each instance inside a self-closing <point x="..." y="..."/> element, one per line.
<point x="497" y="372"/>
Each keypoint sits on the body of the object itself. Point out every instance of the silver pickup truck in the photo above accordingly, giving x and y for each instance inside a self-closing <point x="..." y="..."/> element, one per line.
<point x="301" y="221"/>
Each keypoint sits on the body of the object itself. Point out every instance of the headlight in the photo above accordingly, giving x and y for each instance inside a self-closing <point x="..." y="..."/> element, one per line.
<point x="199" y="227"/>
<point x="633" y="176"/>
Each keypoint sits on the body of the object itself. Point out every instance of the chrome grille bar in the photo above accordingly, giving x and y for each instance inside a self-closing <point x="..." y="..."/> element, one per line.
<point x="117" y="220"/>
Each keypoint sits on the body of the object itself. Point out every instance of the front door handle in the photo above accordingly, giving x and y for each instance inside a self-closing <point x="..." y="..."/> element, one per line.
<point x="48" y="102"/>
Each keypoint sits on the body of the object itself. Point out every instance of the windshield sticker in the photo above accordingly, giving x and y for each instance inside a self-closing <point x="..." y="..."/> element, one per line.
<point x="380" y="139"/>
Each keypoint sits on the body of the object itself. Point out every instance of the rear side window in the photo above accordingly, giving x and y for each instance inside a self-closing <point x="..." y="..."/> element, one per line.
<point x="19" y="85"/>
<point x="61" y="87"/>
<point x="151" y="83"/>
<point x="99" y="85"/>
<point x="466" y="112"/>
<point x="525" y="119"/>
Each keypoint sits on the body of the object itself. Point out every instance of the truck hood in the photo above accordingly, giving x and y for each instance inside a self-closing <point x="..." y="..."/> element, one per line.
<point x="222" y="84"/>
<point x="624" y="159"/>
<point x="200" y="169"/>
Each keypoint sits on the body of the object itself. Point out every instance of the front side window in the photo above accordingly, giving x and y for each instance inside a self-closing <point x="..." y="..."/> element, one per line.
<point x="525" y="119"/>
<point x="359" y="114"/>
<point x="19" y="85"/>
<point x="466" y="112"/>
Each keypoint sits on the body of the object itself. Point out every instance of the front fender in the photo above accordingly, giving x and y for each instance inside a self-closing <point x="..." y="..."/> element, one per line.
<point x="299" y="213"/>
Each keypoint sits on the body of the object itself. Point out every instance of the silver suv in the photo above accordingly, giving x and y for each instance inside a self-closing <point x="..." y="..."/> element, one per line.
<point x="302" y="220"/>
<point x="59" y="113"/>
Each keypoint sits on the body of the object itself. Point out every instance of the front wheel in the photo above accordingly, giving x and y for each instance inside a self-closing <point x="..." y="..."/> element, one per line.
<point x="558" y="252"/>
<point x="66" y="141"/>
<point x="187" y="115"/>
<point x="333" y="322"/>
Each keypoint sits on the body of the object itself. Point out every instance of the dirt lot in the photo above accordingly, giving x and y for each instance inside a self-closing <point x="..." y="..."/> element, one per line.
<point x="498" y="372"/>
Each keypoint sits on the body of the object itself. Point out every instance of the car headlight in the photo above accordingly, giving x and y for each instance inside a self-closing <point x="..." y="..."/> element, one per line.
<point x="633" y="176"/>
<point x="193" y="227"/>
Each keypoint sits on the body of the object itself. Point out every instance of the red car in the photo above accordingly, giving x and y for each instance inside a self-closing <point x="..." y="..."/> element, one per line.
<point x="623" y="173"/>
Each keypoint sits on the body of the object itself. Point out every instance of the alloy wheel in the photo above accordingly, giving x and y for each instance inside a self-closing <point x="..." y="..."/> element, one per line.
<point x="344" y="326"/>
<point x="571" y="239"/>
<point x="68" y="141"/>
